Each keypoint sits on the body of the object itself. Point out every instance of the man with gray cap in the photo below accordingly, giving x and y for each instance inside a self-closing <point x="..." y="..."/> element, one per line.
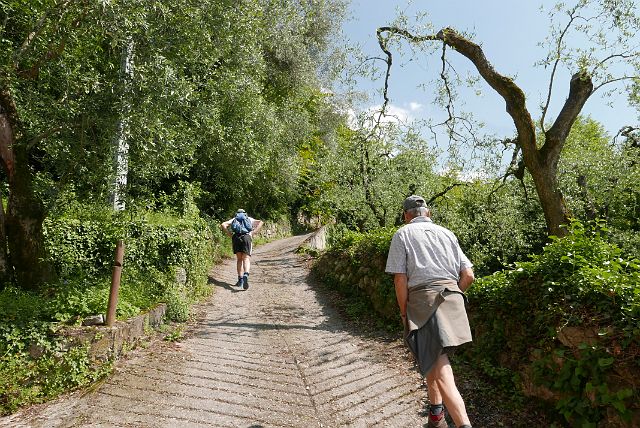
<point x="431" y="274"/>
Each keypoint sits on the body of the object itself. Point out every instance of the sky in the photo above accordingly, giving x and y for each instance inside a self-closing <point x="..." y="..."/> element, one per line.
<point x="509" y="32"/>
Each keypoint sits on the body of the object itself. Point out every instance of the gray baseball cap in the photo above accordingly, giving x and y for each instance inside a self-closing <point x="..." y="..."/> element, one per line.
<point x="414" y="201"/>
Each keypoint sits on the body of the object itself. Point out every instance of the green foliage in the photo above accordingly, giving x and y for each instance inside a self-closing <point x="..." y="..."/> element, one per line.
<point x="82" y="242"/>
<point x="219" y="97"/>
<point x="176" y="335"/>
<point x="360" y="246"/>
<point x="54" y="369"/>
<point x="495" y="226"/>
<point x="354" y="265"/>
<point x="580" y="280"/>
<point x="581" y="379"/>
<point x="362" y="178"/>
<point x="600" y="178"/>
<point x="26" y="380"/>
<point x="177" y="304"/>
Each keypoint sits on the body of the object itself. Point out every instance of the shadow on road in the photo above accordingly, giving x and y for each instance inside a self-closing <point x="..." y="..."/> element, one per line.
<point x="223" y="284"/>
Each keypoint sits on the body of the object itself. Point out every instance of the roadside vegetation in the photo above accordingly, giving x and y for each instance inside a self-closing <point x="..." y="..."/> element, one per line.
<point x="151" y="124"/>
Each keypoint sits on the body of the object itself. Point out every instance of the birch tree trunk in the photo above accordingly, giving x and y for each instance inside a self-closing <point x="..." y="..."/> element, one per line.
<point x="121" y="146"/>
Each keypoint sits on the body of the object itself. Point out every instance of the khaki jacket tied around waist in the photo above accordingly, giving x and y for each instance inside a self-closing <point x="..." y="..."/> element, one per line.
<point x="445" y="300"/>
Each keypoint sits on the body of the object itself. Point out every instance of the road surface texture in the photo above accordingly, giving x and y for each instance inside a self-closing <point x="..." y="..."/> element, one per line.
<point x="276" y="355"/>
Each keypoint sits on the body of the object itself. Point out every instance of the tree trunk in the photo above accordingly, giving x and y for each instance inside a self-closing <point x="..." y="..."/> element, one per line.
<point x="23" y="221"/>
<point x="25" y="213"/>
<point x="5" y="270"/>
<point x="551" y="199"/>
<point x="121" y="146"/>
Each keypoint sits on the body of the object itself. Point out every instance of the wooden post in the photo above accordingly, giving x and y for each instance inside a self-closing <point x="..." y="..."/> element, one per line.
<point x="115" y="284"/>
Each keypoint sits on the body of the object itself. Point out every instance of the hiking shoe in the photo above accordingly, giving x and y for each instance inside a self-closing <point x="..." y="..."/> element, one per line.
<point x="437" y="421"/>
<point x="240" y="283"/>
<point x="245" y="282"/>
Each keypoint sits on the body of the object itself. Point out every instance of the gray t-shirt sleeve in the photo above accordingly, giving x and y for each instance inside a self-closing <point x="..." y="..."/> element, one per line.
<point x="397" y="259"/>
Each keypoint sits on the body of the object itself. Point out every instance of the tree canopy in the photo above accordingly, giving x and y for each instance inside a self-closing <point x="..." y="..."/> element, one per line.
<point x="607" y="54"/>
<point x="221" y="93"/>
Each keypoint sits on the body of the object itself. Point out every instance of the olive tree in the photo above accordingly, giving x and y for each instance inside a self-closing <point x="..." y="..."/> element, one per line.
<point x="608" y="54"/>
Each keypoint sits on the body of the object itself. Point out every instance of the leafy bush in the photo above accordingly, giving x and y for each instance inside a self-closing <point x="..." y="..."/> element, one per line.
<point x="495" y="227"/>
<point x="24" y="379"/>
<point x="35" y="363"/>
<point x="580" y="280"/>
<point x="354" y="264"/>
<point x="177" y="304"/>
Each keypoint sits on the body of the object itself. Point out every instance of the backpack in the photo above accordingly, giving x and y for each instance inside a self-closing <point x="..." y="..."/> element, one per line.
<point x="241" y="224"/>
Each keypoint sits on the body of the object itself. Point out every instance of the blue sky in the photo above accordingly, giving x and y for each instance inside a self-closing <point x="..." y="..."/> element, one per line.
<point x="508" y="31"/>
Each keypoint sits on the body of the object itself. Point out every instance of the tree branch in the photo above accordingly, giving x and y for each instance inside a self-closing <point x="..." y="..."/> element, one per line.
<point x="37" y="30"/>
<point x="607" y="82"/>
<point x="630" y="133"/>
<point x="580" y="89"/>
<point x="33" y="71"/>
<point x="443" y="76"/>
<point x="53" y="50"/>
<point x="558" y="52"/>
<point x="515" y="168"/>
<point x="444" y="192"/>
<point x="510" y="92"/>
<point x="620" y="55"/>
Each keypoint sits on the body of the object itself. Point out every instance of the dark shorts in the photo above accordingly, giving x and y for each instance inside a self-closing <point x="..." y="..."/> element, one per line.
<point x="241" y="243"/>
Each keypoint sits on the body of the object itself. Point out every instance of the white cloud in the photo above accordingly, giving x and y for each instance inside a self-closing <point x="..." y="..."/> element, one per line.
<point x="394" y="114"/>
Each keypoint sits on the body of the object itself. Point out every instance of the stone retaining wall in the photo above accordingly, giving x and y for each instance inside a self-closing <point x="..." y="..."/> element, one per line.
<point x="111" y="342"/>
<point x="368" y="276"/>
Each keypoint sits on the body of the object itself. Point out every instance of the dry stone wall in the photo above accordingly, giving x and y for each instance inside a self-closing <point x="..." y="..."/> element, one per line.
<point x="367" y="275"/>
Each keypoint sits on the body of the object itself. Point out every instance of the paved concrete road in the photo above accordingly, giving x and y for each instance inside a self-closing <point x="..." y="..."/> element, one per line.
<point x="276" y="355"/>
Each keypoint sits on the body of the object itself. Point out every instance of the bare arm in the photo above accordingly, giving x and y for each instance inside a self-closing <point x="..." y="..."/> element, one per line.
<point x="402" y="291"/>
<point x="225" y="227"/>
<point x="257" y="225"/>
<point x="466" y="278"/>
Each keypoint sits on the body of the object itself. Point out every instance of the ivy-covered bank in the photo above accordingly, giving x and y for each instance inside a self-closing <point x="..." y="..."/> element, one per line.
<point x="563" y="327"/>
<point x="167" y="258"/>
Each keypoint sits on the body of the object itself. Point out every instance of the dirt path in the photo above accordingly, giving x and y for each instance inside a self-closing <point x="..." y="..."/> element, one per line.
<point x="276" y="355"/>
